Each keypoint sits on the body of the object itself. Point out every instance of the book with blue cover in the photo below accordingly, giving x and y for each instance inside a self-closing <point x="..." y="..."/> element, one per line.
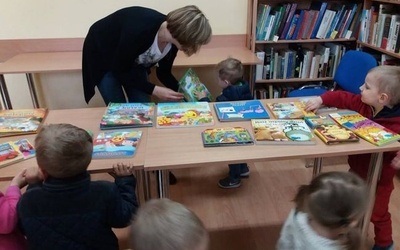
<point x="116" y="144"/>
<point x="240" y="110"/>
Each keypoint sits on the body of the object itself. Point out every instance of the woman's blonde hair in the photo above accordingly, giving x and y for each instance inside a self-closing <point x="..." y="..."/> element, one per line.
<point x="189" y="26"/>
<point x="162" y="224"/>
<point x="230" y="69"/>
<point x="388" y="81"/>
<point x="335" y="200"/>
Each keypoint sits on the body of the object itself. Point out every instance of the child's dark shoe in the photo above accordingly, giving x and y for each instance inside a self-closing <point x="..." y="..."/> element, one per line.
<point x="244" y="171"/>
<point x="229" y="182"/>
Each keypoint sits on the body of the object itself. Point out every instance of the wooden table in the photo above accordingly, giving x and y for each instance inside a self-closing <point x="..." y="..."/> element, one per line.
<point x="182" y="148"/>
<point x="45" y="62"/>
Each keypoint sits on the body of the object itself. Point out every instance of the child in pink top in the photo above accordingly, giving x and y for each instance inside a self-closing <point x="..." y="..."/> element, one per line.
<point x="10" y="237"/>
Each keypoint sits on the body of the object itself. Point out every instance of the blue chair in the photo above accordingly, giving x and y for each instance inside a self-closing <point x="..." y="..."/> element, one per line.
<point x="350" y="74"/>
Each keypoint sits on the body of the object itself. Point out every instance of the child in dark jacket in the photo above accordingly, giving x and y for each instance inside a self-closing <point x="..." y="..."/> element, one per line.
<point x="68" y="210"/>
<point x="380" y="101"/>
<point x="234" y="88"/>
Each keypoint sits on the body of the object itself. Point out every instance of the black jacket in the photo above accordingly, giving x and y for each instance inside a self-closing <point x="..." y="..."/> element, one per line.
<point x="115" y="42"/>
<point x="235" y="92"/>
<point x="76" y="213"/>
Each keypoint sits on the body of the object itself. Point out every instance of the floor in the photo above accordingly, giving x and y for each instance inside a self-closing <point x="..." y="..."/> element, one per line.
<point x="249" y="217"/>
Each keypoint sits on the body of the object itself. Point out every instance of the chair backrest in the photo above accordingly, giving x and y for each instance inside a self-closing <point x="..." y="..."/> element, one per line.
<point x="352" y="70"/>
<point x="312" y="91"/>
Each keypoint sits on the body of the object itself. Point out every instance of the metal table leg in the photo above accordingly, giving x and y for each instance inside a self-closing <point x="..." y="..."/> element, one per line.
<point x="4" y="93"/>
<point x="32" y="90"/>
<point x="163" y="183"/>
<point x="317" y="166"/>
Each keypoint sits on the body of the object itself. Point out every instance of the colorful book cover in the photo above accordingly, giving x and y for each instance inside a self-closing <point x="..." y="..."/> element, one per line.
<point x="319" y="120"/>
<point x="26" y="148"/>
<point x="227" y="136"/>
<point x="289" y="110"/>
<point x="184" y="114"/>
<point x="116" y="144"/>
<point x="128" y="115"/>
<point x="334" y="134"/>
<point x="365" y="128"/>
<point x="21" y="121"/>
<point x="282" y="131"/>
<point x="9" y="154"/>
<point x="240" y="110"/>
<point x="189" y="84"/>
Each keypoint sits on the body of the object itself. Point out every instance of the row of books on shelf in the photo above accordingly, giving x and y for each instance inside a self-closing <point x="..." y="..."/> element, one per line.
<point x="322" y="20"/>
<point x="272" y="91"/>
<point x="299" y="62"/>
<point x="380" y="26"/>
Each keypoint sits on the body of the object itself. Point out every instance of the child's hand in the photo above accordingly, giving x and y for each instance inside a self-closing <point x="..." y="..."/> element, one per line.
<point x="121" y="169"/>
<point x="313" y="104"/>
<point x="396" y="161"/>
<point x="33" y="175"/>
<point x="19" y="180"/>
<point x="199" y="94"/>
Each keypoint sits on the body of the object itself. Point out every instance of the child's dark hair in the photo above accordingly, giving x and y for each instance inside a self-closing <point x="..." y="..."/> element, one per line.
<point x="335" y="200"/>
<point x="230" y="69"/>
<point x="63" y="150"/>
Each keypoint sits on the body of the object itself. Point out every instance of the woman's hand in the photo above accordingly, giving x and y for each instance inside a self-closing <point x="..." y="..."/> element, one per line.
<point x="167" y="94"/>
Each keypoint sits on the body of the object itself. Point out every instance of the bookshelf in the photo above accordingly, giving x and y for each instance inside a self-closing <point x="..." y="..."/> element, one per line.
<point x="380" y="30"/>
<point x="301" y="42"/>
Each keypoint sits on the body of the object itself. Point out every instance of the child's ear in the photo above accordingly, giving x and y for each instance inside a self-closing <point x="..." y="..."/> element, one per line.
<point x="384" y="98"/>
<point x="44" y="173"/>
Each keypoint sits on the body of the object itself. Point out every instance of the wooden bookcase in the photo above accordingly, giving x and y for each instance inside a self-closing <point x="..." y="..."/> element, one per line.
<point x="385" y="54"/>
<point x="292" y="80"/>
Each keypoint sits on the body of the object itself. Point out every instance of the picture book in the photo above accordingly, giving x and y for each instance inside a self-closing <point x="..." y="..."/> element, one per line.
<point x="184" y="114"/>
<point x="282" y="131"/>
<point x="128" y="115"/>
<point x="189" y="84"/>
<point x="288" y="110"/>
<point x="319" y="120"/>
<point x="9" y="154"/>
<point x="240" y="110"/>
<point x="334" y="134"/>
<point x="365" y="128"/>
<point x="116" y="144"/>
<point x="227" y="136"/>
<point x="21" y="121"/>
<point x="26" y="148"/>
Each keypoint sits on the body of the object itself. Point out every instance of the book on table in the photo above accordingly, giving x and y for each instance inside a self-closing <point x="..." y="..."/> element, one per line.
<point x="128" y="115"/>
<point x="26" y="148"/>
<point x="226" y="136"/>
<point x="189" y="84"/>
<point x="9" y="154"/>
<point x="116" y="144"/>
<point x="184" y="114"/>
<point x="365" y="128"/>
<point x="329" y="131"/>
<point x="289" y="110"/>
<point x="240" y="110"/>
<point x="282" y="131"/>
<point x="21" y="121"/>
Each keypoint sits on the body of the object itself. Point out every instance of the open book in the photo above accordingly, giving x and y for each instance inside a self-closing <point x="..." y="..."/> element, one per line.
<point x="189" y="84"/>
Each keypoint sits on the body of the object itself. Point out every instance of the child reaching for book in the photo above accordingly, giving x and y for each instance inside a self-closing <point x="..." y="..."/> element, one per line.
<point x="162" y="224"/>
<point x="10" y="236"/>
<point x="68" y="210"/>
<point x="326" y="214"/>
<point x="234" y="88"/>
<point x="379" y="101"/>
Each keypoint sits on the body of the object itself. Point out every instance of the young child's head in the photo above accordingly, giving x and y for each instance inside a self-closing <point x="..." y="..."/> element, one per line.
<point x="162" y="224"/>
<point x="381" y="86"/>
<point x="230" y="71"/>
<point x="63" y="150"/>
<point x="335" y="201"/>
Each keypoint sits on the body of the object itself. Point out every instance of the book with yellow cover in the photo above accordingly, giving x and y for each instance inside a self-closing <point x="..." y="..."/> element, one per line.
<point x="365" y="128"/>
<point x="334" y="134"/>
<point x="289" y="110"/>
<point x="21" y="121"/>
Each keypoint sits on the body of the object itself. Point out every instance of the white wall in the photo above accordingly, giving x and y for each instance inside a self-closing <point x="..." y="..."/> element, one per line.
<point x="23" y="19"/>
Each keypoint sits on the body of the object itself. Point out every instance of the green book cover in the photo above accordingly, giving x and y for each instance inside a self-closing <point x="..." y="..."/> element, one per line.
<point x="189" y="84"/>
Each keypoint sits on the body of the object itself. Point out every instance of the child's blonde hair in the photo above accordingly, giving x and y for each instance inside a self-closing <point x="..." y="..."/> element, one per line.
<point x="162" y="224"/>
<point x="335" y="200"/>
<point x="190" y="27"/>
<point x="388" y="81"/>
<point x="230" y="69"/>
<point x="63" y="150"/>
